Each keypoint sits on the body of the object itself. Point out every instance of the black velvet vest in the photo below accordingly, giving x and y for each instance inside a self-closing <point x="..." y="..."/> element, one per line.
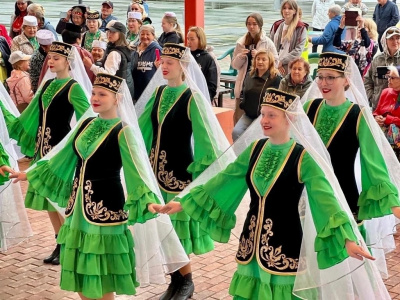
<point x="272" y="230"/>
<point x="343" y="149"/>
<point x="100" y="183"/>
<point x="171" y="151"/>
<point x="54" y="121"/>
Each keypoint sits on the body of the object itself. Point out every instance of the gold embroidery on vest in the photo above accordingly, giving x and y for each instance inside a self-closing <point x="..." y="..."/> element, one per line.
<point x="273" y="257"/>
<point x="72" y="198"/>
<point x="38" y="139"/>
<point x="168" y="178"/>
<point x="46" y="139"/>
<point x="151" y="158"/>
<point x="97" y="211"/>
<point x="246" y="246"/>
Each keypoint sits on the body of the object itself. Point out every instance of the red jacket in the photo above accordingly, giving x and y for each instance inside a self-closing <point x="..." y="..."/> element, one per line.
<point x="4" y="33"/>
<point x="387" y="107"/>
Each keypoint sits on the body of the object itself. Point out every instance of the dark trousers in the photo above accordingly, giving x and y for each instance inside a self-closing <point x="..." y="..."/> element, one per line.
<point x="379" y="41"/>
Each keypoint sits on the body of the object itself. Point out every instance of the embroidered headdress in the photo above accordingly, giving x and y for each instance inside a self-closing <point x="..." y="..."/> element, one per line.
<point x="333" y="61"/>
<point x="278" y="99"/>
<point x="174" y="51"/>
<point x="93" y="15"/>
<point x="61" y="48"/>
<point x="108" y="82"/>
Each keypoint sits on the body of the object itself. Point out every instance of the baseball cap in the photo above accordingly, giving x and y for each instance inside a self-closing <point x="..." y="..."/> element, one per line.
<point x="117" y="27"/>
<point x="109" y="3"/>
<point x="16" y="56"/>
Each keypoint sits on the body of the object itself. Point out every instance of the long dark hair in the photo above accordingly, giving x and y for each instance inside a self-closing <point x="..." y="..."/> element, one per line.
<point x="260" y="22"/>
<point x="17" y="12"/>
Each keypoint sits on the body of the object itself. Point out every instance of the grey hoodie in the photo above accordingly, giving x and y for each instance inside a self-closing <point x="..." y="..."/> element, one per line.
<point x="373" y="85"/>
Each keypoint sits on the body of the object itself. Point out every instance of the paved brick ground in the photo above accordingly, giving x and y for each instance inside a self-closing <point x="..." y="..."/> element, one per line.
<point x="24" y="276"/>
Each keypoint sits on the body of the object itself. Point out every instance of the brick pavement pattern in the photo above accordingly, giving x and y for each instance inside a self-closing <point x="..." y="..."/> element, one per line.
<point x="24" y="276"/>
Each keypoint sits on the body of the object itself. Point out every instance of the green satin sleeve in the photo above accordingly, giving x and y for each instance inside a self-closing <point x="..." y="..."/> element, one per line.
<point x="332" y="224"/>
<point x="24" y="128"/>
<point x="53" y="178"/>
<point x="378" y="193"/>
<point x="214" y="203"/>
<point x="138" y="193"/>
<point x="4" y="161"/>
<point x="78" y="99"/>
<point x="145" y="124"/>
<point x="206" y="148"/>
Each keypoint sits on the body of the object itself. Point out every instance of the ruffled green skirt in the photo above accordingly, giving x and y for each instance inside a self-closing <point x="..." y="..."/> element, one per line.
<point x="34" y="201"/>
<point x="96" y="260"/>
<point x="253" y="283"/>
<point x="193" y="239"/>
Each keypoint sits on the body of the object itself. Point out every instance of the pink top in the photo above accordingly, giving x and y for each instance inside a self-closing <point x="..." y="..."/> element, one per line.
<point x="20" y="87"/>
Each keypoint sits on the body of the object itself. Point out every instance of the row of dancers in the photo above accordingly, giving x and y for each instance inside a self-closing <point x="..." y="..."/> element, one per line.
<point x="313" y="227"/>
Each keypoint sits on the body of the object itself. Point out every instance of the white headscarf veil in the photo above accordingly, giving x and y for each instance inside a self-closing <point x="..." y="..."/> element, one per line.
<point x="77" y="71"/>
<point x="357" y="279"/>
<point x="195" y="80"/>
<point x="14" y="223"/>
<point x="379" y="230"/>
<point x="157" y="247"/>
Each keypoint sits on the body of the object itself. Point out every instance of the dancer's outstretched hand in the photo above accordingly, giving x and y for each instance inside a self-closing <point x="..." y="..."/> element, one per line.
<point x="19" y="176"/>
<point x="154" y="208"/>
<point x="396" y="211"/>
<point x="171" y="207"/>
<point x="4" y="169"/>
<point x="357" y="251"/>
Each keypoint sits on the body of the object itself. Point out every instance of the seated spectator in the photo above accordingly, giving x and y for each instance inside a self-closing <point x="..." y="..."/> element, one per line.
<point x="246" y="48"/>
<point x="76" y="15"/>
<point x="107" y="8"/>
<point x="375" y="83"/>
<point x="93" y="33"/>
<point x="45" y="39"/>
<point x="98" y="50"/>
<point x="172" y="32"/>
<point x="26" y="42"/>
<point x="144" y="60"/>
<point x="37" y="11"/>
<point x="262" y="75"/>
<point x="326" y="39"/>
<point x="19" y="83"/>
<point x="138" y="6"/>
<point x="17" y="18"/>
<point x="387" y="113"/>
<point x="197" y="43"/>
<point x="364" y="47"/>
<point x="298" y="80"/>
<point x="289" y="35"/>
<point x="134" y="23"/>
<point x="5" y="66"/>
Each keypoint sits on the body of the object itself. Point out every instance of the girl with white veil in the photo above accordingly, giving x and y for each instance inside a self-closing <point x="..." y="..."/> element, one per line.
<point x="97" y="250"/>
<point x="295" y="240"/>
<point x="182" y="137"/>
<point x="14" y="223"/>
<point x="339" y="111"/>
<point x="46" y="121"/>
